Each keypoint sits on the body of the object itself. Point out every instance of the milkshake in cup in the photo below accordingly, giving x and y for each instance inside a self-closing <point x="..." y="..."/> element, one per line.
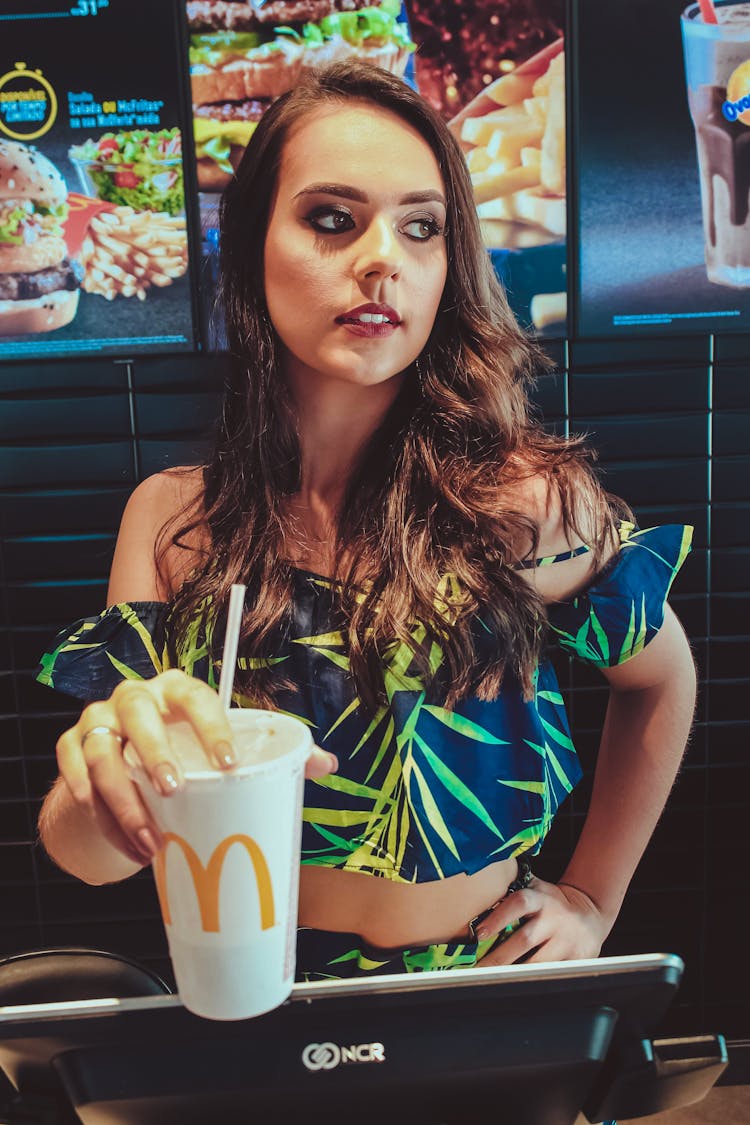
<point x="717" y="65"/>
<point x="227" y="873"/>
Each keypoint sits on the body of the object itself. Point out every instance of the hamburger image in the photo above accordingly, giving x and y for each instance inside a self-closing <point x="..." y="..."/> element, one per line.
<point x="39" y="285"/>
<point x="243" y="55"/>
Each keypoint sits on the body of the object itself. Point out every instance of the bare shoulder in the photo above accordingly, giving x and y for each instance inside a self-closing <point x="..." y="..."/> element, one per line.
<point x="157" y="502"/>
<point x="167" y="492"/>
<point x="557" y="579"/>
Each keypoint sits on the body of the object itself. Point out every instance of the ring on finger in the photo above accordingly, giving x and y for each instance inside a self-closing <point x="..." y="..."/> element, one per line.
<point x="101" y="730"/>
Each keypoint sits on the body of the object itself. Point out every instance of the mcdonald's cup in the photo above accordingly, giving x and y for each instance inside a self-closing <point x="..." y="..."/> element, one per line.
<point x="228" y="872"/>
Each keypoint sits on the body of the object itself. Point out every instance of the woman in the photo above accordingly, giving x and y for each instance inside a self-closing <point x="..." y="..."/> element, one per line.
<point x="379" y="486"/>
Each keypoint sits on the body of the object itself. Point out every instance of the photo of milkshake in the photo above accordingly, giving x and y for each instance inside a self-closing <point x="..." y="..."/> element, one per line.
<point x="717" y="65"/>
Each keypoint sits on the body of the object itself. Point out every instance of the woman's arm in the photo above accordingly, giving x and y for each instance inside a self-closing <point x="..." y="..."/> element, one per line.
<point x="134" y="576"/>
<point x="646" y="729"/>
<point x="648" y="720"/>
<point x="93" y="822"/>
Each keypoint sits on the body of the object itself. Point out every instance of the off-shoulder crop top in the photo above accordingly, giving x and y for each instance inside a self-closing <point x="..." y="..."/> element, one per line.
<point x="422" y="792"/>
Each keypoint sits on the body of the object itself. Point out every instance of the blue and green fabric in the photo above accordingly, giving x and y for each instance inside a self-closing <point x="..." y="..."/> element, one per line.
<point x="422" y="792"/>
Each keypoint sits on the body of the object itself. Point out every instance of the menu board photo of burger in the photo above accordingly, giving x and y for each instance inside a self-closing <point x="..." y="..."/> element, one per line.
<point x="243" y="55"/>
<point x="94" y="250"/>
<point x="39" y="284"/>
<point x="494" y="70"/>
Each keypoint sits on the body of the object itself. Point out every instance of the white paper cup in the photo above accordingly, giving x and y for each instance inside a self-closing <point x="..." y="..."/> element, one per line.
<point x="228" y="872"/>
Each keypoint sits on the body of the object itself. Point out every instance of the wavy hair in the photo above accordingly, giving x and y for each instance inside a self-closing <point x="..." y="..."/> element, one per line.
<point x="430" y="528"/>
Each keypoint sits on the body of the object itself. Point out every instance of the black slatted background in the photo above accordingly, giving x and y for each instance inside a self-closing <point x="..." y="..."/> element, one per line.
<point x="671" y="419"/>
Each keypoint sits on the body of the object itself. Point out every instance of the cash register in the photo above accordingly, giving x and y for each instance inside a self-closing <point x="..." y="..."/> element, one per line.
<point x="87" y="1037"/>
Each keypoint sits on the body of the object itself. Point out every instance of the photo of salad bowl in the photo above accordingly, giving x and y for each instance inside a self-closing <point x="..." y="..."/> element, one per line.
<point x="139" y="169"/>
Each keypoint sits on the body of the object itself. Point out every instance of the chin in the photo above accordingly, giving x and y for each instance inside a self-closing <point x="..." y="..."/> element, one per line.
<point x="367" y="371"/>
<point x="369" y="376"/>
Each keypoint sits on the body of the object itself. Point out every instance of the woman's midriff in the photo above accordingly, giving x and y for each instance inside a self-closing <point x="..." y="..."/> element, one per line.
<point x="400" y="915"/>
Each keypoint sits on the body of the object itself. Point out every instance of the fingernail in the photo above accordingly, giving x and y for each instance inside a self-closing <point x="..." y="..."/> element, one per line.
<point x="165" y="780"/>
<point x="334" y="762"/>
<point x="147" y="841"/>
<point x="225" y="754"/>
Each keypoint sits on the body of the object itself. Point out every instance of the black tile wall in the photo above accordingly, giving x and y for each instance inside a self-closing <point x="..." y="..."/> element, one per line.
<point x="62" y="510"/>
<point x="731" y="478"/>
<point x="186" y="373"/>
<point x="673" y="430"/>
<point x="94" y="417"/>
<point x="556" y="352"/>
<point x="9" y="740"/>
<point x="731" y="388"/>
<point x="731" y="349"/>
<point x="604" y="392"/>
<point x="26" y="644"/>
<point x="632" y="436"/>
<point x="730" y="432"/>
<point x="60" y="556"/>
<point x="166" y="453"/>
<point x="49" y="379"/>
<point x="548" y="395"/>
<point x="35" y="466"/>
<point x="174" y="413"/>
<point x="39" y="603"/>
<point x="730" y="614"/>
<point x="730" y="524"/>
<point x="671" y="481"/>
<point x="652" y="353"/>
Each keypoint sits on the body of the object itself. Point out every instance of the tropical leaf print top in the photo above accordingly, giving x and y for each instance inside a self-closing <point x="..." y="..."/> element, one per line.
<point x="422" y="793"/>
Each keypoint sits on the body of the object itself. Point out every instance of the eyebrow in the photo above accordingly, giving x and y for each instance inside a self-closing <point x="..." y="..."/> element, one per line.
<point x="343" y="191"/>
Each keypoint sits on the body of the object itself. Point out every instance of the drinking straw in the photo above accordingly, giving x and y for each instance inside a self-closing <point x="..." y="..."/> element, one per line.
<point x="231" y="642"/>
<point x="708" y="11"/>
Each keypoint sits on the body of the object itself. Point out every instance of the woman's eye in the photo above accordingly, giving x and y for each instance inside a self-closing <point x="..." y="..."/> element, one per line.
<point x="329" y="220"/>
<point x="423" y="228"/>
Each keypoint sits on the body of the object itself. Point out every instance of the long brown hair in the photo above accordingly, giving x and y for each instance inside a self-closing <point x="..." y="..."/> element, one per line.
<point x="431" y="513"/>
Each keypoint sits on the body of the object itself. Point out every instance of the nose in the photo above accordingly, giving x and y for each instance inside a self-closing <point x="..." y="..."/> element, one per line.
<point x="379" y="253"/>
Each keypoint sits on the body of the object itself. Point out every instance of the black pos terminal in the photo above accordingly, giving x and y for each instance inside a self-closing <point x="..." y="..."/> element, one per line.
<point x="546" y="1044"/>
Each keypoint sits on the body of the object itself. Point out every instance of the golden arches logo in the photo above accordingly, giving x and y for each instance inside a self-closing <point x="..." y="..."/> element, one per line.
<point x="78" y="202"/>
<point x="207" y="880"/>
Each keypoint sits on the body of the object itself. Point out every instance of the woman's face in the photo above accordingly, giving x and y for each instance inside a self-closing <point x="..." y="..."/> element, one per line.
<point x="355" y="254"/>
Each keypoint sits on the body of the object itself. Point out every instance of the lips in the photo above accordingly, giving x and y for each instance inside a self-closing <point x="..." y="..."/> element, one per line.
<point x="370" y="320"/>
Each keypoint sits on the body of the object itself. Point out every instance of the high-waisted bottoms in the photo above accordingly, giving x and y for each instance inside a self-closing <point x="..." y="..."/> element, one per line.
<point x="327" y="955"/>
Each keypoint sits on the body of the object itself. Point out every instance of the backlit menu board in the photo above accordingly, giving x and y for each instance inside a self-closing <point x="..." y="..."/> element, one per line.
<point x="663" y="132"/>
<point x="495" y="71"/>
<point x="93" y="236"/>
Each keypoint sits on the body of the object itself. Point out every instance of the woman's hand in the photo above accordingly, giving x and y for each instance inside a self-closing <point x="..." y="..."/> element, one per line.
<point x="91" y="763"/>
<point x="560" y="923"/>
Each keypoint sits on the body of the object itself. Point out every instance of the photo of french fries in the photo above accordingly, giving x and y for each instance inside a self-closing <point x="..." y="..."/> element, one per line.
<point x="126" y="252"/>
<point x="513" y="137"/>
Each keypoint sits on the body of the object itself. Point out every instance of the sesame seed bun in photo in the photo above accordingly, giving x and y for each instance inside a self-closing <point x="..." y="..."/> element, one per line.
<point x="39" y="285"/>
<point x="243" y="55"/>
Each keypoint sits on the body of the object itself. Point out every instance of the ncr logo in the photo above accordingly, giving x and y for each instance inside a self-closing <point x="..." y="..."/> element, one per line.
<point x="327" y="1056"/>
